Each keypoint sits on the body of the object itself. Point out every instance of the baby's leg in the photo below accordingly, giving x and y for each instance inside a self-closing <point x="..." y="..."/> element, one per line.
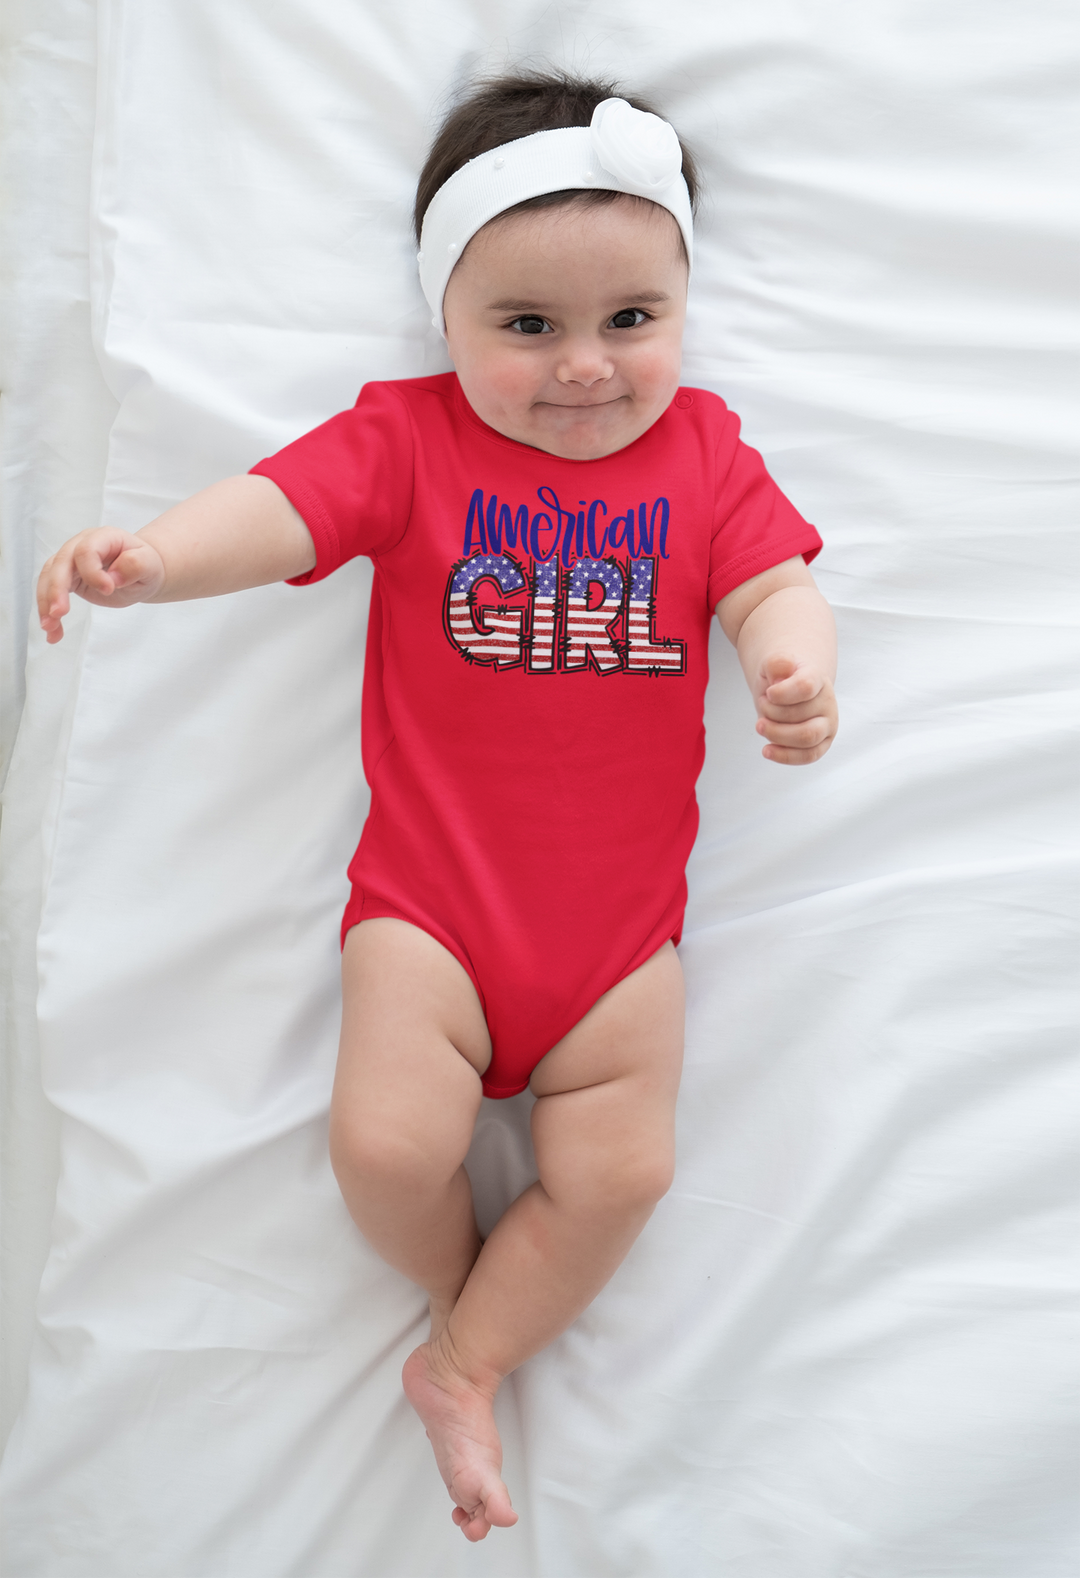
<point x="406" y="1095"/>
<point x="603" y="1131"/>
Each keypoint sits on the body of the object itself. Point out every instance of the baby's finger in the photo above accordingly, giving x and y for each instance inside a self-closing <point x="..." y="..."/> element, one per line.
<point x="777" y="667"/>
<point x="89" y="563"/>
<point x="797" y="713"/>
<point x="804" y="736"/>
<point x="803" y="686"/>
<point x="129" y="568"/>
<point x="53" y="601"/>
<point x="787" y="756"/>
<point x="51" y="621"/>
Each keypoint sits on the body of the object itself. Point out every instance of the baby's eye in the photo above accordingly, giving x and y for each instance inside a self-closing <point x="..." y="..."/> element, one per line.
<point x="629" y="318"/>
<point x="530" y="325"/>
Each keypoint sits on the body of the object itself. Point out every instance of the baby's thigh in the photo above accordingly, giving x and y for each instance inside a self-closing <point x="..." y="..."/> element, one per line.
<point x="413" y="1038"/>
<point x="606" y="1113"/>
<point x="634" y="1032"/>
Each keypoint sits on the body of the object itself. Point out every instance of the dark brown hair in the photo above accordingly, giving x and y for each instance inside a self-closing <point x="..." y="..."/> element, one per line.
<point x="501" y="109"/>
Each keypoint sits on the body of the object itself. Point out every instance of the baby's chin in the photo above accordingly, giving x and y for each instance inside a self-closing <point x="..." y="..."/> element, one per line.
<point x="585" y="432"/>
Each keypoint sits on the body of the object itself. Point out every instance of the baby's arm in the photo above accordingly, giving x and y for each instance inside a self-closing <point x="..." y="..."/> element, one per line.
<point x="239" y="533"/>
<point x="784" y="633"/>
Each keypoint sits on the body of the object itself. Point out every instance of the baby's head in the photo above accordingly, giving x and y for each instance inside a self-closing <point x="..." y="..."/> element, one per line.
<point x="564" y="312"/>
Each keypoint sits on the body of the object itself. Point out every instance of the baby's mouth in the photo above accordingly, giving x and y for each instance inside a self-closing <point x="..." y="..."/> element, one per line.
<point x="580" y="405"/>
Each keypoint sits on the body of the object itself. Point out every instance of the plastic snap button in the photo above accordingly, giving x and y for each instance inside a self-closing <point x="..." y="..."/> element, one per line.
<point x="683" y="400"/>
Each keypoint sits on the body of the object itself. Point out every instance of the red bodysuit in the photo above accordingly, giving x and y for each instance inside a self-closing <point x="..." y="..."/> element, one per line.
<point x="534" y="690"/>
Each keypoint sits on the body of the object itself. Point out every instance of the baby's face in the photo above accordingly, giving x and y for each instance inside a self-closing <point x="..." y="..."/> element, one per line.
<point x="565" y="324"/>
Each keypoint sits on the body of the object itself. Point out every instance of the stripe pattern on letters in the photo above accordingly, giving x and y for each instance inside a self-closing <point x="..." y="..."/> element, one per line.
<point x="588" y="630"/>
<point x="646" y="654"/>
<point x="545" y="597"/>
<point x="497" y="637"/>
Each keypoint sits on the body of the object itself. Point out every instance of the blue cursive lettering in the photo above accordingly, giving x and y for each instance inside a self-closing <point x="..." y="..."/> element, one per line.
<point x="571" y="534"/>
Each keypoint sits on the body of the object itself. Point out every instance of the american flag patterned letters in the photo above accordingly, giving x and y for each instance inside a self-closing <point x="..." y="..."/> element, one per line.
<point x="572" y="609"/>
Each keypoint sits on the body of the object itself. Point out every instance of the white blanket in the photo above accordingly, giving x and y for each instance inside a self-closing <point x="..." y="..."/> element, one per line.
<point x="838" y="1347"/>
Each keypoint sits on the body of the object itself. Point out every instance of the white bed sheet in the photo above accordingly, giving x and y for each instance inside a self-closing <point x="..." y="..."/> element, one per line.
<point x="55" y="414"/>
<point x="841" y="1347"/>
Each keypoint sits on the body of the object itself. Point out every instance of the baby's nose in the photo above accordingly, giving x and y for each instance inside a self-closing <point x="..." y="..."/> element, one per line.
<point x="584" y="362"/>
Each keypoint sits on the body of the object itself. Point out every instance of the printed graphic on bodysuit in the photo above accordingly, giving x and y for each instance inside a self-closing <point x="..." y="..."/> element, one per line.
<point x="556" y="531"/>
<point x="584" y="611"/>
<point x="587" y="634"/>
<point x="649" y="655"/>
<point x="490" y="634"/>
<point x="545" y="599"/>
<point x="602" y="616"/>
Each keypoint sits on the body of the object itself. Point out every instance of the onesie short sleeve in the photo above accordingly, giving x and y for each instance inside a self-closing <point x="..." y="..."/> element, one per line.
<point x="754" y="525"/>
<point x="350" y="479"/>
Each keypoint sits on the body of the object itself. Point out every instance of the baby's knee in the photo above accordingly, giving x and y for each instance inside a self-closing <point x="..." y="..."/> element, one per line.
<point x="371" y="1154"/>
<point x="653" y="1175"/>
<point x="633" y="1181"/>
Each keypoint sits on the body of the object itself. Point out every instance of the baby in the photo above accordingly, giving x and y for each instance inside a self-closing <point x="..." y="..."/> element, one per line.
<point x="552" y="526"/>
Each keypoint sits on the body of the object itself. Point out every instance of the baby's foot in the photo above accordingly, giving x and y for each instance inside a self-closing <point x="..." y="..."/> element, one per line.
<point x="460" y="1424"/>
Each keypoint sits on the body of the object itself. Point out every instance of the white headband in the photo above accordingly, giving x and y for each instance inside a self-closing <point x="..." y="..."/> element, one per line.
<point x="623" y="150"/>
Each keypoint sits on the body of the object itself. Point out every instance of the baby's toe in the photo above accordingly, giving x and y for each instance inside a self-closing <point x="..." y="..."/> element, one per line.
<point x="473" y="1525"/>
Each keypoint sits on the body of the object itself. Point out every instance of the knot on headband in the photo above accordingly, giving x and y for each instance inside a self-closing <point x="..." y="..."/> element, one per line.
<point x="622" y="150"/>
<point x="637" y="148"/>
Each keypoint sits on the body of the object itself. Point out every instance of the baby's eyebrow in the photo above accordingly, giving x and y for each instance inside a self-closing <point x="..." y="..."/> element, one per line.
<point x="653" y="297"/>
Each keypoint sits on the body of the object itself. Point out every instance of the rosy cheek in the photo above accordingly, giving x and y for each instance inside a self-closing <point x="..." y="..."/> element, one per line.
<point x="514" y="379"/>
<point x="656" y="369"/>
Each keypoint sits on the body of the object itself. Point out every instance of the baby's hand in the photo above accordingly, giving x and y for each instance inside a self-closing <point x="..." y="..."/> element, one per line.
<point x="108" y="567"/>
<point x="796" y="712"/>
